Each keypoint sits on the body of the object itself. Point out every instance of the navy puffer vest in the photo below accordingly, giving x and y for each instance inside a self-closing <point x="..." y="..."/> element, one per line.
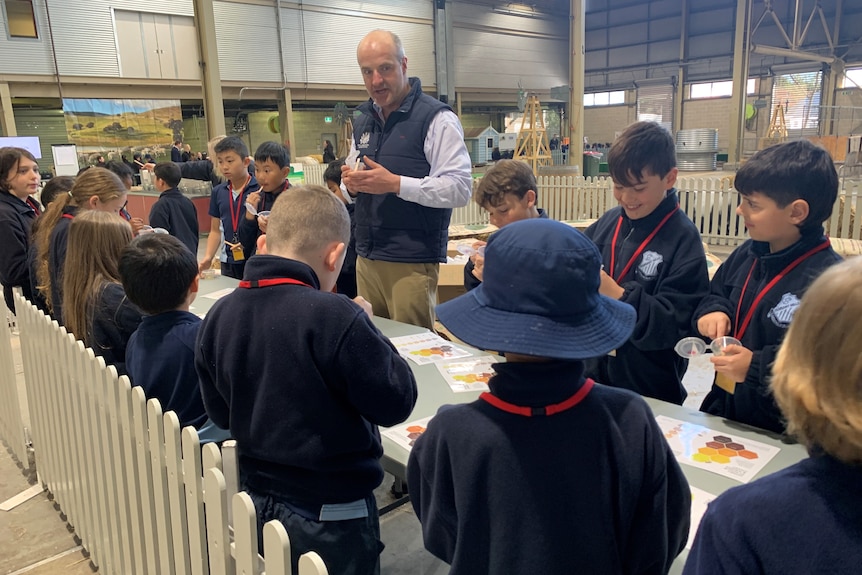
<point x="387" y="227"/>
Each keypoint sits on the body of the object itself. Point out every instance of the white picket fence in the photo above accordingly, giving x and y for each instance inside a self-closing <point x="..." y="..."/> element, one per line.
<point x="710" y="202"/>
<point x="142" y="494"/>
<point x="11" y="423"/>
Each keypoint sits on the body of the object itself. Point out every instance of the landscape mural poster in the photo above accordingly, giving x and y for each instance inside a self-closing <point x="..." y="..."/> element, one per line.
<point x="99" y="125"/>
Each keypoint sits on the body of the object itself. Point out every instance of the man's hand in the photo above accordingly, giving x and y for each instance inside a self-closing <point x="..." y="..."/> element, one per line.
<point x="734" y="362"/>
<point x="253" y="199"/>
<point x="205" y="264"/>
<point x="714" y="325"/>
<point x="609" y="287"/>
<point x="374" y="179"/>
<point x="363" y="303"/>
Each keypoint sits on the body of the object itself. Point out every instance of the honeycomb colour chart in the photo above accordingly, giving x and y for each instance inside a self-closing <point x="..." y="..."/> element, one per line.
<point x="715" y="451"/>
<point x="470" y="374"/>
<point x="427" y="347"/>
<point x="406" y="434"/>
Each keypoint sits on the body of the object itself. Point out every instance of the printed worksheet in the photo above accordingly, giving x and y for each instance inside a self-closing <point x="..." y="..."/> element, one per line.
<point x="716" y="451"/>
<point x="407" y="433"/>
<point x="699" y="500"/>
<point x="471" y="374"/>
<point x="428" y="347"/>
<point x="219" y="294"/>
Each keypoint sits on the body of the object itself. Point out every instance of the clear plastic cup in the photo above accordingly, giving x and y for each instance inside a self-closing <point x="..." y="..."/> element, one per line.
<point x="251" y="209"/>
<point x="689" y="347"/>
<point x="718" y="344"/>
<point x="161" y="231"/>
<point x="145" y="230"/>
<point x="264" y="214"/>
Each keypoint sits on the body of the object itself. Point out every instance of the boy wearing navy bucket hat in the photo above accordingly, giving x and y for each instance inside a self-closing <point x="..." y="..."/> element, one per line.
<point x="549" y="472"/>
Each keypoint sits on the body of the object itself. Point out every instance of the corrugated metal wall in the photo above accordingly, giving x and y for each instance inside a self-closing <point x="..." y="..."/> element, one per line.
<point x="499" y="51"/>
<point x="25" y="55"/>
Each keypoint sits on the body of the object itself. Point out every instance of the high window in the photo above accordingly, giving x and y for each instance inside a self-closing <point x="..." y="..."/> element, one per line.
<point x="605" y="98"/>
<point x="20" y="19"/>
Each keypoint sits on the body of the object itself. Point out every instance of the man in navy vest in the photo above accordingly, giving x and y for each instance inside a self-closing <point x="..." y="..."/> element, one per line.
<point x="408" y="167"/>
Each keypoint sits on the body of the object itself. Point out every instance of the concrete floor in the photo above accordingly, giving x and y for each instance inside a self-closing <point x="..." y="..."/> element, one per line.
<point x="35" y="540"/>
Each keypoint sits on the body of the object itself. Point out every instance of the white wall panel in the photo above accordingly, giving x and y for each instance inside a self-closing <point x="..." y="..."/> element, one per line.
<point x="398" y="8"/>
<point x="329" y="46"/>
<point x="26" y="55"/>
<point x="247" y="38"/>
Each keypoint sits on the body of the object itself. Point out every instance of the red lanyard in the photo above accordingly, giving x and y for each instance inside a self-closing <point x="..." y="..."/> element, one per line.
<point x="739" y="330"/>
<point x="641" y="247"/>
<point x="33" y="205"/>
<point x="271" y="282"/>
<point x="235" y="209"/>
<point x="542" y="410"/>
<point x="68" y="216"/>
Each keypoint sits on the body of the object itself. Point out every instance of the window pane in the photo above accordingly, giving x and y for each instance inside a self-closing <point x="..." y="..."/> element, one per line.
<point x="588" y="99"/>
<point x="601" y="98"/>
<point x="853" y="78"/>
<point x="750" y="89"/>
<point x="618" y="97"/>
<point x="701" y="90"/>
<point x="720" y="89"/>
<point x="22" y="23"/>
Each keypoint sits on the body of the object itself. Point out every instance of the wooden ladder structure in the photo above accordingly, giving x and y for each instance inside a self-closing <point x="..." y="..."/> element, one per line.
<point x="533" y="138"/>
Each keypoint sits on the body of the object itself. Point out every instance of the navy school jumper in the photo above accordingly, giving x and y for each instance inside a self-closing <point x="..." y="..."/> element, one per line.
<point x="16" y="219"/>
<point x="176" y="213"/>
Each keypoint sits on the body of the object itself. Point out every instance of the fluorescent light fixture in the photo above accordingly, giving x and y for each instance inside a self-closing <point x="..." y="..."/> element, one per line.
<point x="793" y="54"/>
<point x="516" y="9"/>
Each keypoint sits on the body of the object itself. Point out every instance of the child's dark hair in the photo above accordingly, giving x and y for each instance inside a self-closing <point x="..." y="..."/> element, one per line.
<point x="333" y="172"/>
<point x="169" y="172"/>
<point x="9" y="158"/>
<point x="792" y="171"/>
<point x="506" y="177"/>
<point x="642" y="146"/>
<point x="122" y="170"/>
<point x="273" y="151"/>
<point x="56" y="186"/>
<point x="232" y="144"/>
<point x="157" y="271"/>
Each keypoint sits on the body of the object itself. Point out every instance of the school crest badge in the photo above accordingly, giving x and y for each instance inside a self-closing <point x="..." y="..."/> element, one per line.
<point x="648" y="267"/>
<point x="782" y="313"/>
<point x="364" y="140"/>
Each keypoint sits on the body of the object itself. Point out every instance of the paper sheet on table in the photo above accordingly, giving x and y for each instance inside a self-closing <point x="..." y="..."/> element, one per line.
<point x="219" y="294"/>
<point x="699" y="500"/>
<point x="716" y="451"/>
<point x="407" y="433"/>
<point x="427" y="347"/>
<point x="471" y="374"/>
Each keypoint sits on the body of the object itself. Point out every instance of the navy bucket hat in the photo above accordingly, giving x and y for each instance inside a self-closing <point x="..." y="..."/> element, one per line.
<point x="540" y="297"/>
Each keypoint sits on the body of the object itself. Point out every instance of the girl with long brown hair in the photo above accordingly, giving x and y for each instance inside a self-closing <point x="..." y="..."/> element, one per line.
<point x="95" y="189"/>
<point x="96" y="309"/>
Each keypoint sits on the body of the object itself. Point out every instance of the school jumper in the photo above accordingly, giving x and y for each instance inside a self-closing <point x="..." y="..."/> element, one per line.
<point x="115" y="319"/>
<point x="803" y="520"/>
<point x="664" y="283"/>
<point x="471" y="281"/>
<point x="58" y="241"/>
<point x="752" y="402"/>
<point x="160" y="357"/>
<point x="593" y="488"/>
<point x="303" y="378"/>
<point x="231" y="212"/>
<point x="16" y="219"/>
<point x="177" y="214"/>
<point x="249" y="230"/>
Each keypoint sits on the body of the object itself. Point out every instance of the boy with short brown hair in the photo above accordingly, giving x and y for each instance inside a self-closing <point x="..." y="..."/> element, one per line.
<point x="509" y="193"/>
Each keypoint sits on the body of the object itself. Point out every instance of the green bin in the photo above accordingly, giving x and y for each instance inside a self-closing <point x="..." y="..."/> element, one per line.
<point x="591" y="165"/>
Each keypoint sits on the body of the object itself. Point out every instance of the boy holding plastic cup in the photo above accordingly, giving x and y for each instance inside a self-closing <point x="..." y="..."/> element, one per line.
<point x="787" y="193"/>
<point x="271" y="168"/>
<point x="508" y="192"/>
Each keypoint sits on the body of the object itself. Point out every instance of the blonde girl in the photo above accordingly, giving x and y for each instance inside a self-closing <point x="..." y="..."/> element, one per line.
<point x="806" y="518"/>
<point x="96" y="309"/>
<point x="95" y="189"/>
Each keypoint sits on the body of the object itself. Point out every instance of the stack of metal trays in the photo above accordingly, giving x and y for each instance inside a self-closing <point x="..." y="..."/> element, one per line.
<point x="696" y="149"/>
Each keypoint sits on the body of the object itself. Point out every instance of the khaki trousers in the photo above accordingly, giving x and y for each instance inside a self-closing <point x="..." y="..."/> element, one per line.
<point x="404" y="292"/>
